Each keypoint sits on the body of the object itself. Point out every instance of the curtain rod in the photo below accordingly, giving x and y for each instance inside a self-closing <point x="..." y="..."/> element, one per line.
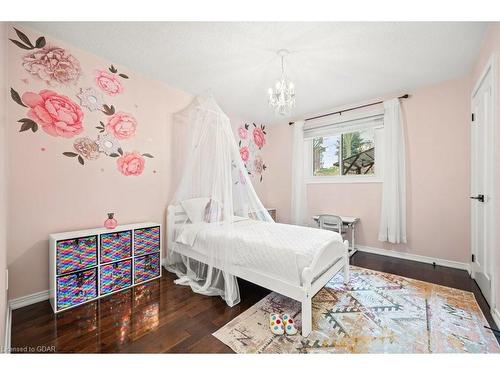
<point x="405" y="96"/>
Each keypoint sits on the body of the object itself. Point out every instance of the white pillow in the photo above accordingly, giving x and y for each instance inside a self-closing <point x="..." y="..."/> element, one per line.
<point x="195" y="208"/>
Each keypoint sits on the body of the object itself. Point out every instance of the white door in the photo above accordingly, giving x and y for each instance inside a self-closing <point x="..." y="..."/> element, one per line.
<point x="482" y="155"/>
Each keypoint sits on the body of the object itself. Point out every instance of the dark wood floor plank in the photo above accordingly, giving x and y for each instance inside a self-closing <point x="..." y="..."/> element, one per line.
<point x="162" y="317"/>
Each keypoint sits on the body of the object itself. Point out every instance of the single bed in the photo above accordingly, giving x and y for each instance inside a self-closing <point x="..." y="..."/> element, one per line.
<point x="291" y="260"/>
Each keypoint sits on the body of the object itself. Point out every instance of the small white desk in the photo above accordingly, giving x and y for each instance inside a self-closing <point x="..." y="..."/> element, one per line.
<point x="347" y="222"/>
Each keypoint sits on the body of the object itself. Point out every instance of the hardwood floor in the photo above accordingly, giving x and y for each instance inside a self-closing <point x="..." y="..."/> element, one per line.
<point x="163" y="317"/>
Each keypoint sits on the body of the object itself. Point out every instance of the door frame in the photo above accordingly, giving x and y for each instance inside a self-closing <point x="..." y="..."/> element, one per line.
<point x="490" y="67"/>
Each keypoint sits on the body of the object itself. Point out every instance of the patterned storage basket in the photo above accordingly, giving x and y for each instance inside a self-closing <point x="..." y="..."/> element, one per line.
<point x="116" y="246"/>
<point x="76" y="288"/>
<point x="116" y="276"/>
<point x="76" y="254"/>
<point x="147" y="267"/>
<point x="147" y="240"/>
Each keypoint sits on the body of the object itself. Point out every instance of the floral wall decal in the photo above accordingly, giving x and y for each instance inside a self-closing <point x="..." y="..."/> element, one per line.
<point x="59" y="115"/>
<point x="243" y="131"/>
<point x="244" y="153"/>
<point x="87" y="148"/>
<point x="131" y="163"/>
<point x="251" y="142"/>
<point x="90" y="99"/>
<point x="25" y="41"/>
<point x="108" y="109"/>
<point x="122" y="126"/>
<point x="108" y="83"/>
<point x="259" y="136"/>
<point x="108" y="145"/>
<point x="53" y="65"/>
<point x="113" y="70"/>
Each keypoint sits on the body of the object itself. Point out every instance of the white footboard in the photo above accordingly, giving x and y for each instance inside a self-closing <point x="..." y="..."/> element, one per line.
<point x="316" y="276"/>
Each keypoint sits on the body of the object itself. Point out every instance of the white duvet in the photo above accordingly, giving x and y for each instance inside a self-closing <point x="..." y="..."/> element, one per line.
<point x="277" y="250"/>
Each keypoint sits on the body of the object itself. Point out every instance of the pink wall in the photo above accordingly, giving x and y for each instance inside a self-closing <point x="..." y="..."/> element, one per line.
<point x="491" y="45"/>
<point x="437" y="184"/>
<point x="3" y="179"/>
<point x="50" y="192"/>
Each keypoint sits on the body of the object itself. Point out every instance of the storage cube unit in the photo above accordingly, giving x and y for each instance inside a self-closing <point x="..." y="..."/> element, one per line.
<point x="88" y="264"/>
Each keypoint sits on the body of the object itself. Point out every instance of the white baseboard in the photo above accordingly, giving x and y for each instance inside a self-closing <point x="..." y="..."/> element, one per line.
<point x="415" y="257"/>
<point x="30" y="299"/>
<point x="8" y="329"/>
<point x="496" y="316"/>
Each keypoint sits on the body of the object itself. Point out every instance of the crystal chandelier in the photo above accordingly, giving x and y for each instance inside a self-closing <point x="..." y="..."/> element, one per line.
<point x="282" y="97"/>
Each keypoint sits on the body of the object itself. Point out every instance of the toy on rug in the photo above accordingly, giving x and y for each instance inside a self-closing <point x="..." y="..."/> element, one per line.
<point x="276" y="324"/>
<point x="280" y="325"/>
<point x="289" y="325"/>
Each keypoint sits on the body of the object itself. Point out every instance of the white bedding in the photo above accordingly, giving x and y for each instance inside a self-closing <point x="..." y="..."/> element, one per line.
<point x="278" y="250"/>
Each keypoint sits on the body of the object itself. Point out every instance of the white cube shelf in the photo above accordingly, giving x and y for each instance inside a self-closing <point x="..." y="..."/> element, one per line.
<point x="89" y="264"/>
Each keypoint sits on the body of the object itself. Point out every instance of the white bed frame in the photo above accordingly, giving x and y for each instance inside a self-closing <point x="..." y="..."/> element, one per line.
<point x="323" y="267"/>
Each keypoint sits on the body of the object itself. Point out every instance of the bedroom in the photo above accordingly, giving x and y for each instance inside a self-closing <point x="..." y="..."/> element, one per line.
<point x="249" y="187"/>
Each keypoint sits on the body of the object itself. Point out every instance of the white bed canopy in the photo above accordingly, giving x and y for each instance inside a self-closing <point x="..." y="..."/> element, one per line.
<point x="214" y="187"/>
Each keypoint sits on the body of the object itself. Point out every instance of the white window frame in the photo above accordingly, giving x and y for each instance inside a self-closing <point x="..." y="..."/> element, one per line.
<point x="310" y="178"/>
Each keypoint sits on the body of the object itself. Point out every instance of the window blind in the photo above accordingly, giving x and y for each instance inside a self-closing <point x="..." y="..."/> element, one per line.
<point x="337" y="126"/>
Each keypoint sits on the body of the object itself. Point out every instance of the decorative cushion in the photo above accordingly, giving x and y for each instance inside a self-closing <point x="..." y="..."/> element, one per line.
<point x="195" y="208"/>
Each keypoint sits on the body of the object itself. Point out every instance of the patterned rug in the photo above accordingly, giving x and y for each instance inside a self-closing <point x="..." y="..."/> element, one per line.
<point x="375" y="313"/>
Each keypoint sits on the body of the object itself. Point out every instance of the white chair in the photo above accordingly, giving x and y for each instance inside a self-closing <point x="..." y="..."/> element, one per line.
<point x="331" y="222"/>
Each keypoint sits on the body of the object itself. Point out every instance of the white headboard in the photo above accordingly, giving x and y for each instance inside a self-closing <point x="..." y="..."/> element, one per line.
<point x="175" y="216"/>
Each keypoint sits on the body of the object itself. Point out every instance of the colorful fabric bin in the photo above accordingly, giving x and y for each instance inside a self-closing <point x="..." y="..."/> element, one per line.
<point x="116" y="276"/>
<point x="76" y="288"/>
<point x="146" y="240"/>
<point x="76" y="254"/>
<point x="116" y="246"/>
<point x="147" y="267"/>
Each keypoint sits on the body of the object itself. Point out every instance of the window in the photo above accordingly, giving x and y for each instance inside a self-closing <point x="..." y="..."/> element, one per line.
<point x="344" y="153"/>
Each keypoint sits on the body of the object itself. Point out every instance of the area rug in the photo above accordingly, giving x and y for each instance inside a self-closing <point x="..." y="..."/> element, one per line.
<point x="374" y="313"/>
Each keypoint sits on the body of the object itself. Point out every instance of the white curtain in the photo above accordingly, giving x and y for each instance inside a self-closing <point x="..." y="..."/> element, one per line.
<point x="393" y="214"/>
<point x="299" y="197"/>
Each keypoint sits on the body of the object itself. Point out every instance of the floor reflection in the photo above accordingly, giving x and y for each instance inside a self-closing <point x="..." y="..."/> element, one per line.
<point x="111" y="322"/>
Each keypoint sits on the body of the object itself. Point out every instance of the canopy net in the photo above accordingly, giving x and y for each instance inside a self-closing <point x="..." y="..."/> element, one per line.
<point x="216" y="193"/>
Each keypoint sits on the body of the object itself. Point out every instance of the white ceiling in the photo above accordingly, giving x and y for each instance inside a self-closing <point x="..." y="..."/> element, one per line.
<point x="331" y="64"/>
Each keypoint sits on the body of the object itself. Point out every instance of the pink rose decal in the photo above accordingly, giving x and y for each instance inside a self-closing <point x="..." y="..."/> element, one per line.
<point x="108" y="83"/>
<point x="259" y="137"/>
<point x="242" y="132"/>
<point x="131" y="163"/>
<point x="122" y="126"/>
<point x="53" y="65"/>
<point x="56" y="114"/>
<point x="244" y="153"/>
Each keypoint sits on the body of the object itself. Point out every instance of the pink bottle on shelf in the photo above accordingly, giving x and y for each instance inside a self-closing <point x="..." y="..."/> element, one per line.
<point x="110" y="222"/>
